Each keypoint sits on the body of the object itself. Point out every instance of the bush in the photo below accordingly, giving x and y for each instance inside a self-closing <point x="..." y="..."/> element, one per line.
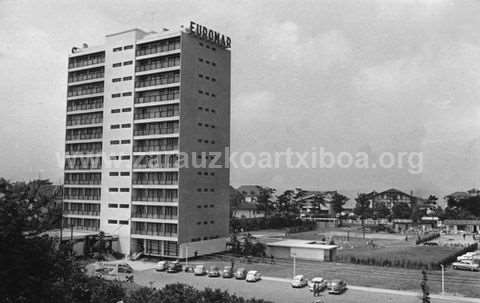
<point x="428" y="238"/>
<point x="453" y="257"/>
<point x="276" y="222"/>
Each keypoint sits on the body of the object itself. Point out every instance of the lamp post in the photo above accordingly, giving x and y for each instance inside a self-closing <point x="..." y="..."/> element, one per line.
<point x="443" y="279"/>
<point x="294" y="264"/>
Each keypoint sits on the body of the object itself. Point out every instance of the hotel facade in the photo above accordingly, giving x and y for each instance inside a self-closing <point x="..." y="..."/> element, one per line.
<point x="147" y="115"/>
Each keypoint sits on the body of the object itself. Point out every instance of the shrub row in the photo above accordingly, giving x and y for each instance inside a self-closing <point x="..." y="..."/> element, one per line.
<point x="453" y="257"/>
<point x="275" y="222"/>
<point x="404" y="262"/>
<point x="388" y="262"/>
<point x="427" y="238"/>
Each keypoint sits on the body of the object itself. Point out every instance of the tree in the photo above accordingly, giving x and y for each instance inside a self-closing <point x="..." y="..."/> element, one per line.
<point x="264" y="199"/>
<point x="236" y="198"/>
<point x="417" y="213"/>
<point x="401" y="210"/>
<point x="362" y="209"/>
<point x="425" y="288"/>
<point x="286" y="203"/>
<point x="380" y="210"/>
<point x="338" y="200"/>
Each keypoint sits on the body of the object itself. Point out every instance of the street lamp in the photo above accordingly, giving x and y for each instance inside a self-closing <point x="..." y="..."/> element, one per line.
<point x="443" y="279"/>
<point x="294" y="264"/>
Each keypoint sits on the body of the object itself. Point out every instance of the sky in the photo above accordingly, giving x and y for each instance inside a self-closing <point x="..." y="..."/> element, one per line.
<point x="343" y="76"/>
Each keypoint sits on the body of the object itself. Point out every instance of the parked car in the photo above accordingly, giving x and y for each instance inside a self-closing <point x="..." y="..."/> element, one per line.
<point x="337" y="286"/>
<point x="321" y="282"/>
<point x="468" y="256"/>
<point x="227" y="272"/>
<point x="200" y="270"/>
<point x="114" y="271"/>
<point x="161" y="266"/>
<point x="188" y="268"/>
<point x="174" y="267"/>
<point x="253" y="276"/>
<point x="213" y="272"/>
<point x="466" y="265"/>
<point x="241" y="274"/>
<point x="299" y="281"/>
<point x="430" y="244"/>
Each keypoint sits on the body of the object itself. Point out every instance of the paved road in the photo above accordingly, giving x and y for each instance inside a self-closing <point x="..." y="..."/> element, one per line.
<point x="275" y="290"/>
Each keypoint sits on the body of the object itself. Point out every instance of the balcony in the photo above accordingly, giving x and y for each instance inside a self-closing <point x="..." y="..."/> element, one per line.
<point x="84" y="121"/>
<point x="173" y="95"/>
<point x="154" y="233"/>
<point x="156" y="65"/>
<point x="157" y="82"/>
<point x="88" y="77"/>
<point x="85" y="91"/>
<point x="86" y="106"/>
<point x="84" y="137"/>
<point x="155" y="131"/>
<point x="82" y="197"/>
<point x="82" y="182"/>
<point x="88" y="61"/>
<point x="81" y="213"/>
<point x="158" y="47"/>
<point x="155" y="114"/>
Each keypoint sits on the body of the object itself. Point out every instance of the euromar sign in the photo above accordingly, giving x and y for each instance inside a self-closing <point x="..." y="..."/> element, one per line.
<point x="207" y="34"/>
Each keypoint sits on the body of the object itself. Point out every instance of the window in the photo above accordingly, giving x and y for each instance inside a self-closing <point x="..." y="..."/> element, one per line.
<point x="200" y="43"/>
<point x="124" y="173"/>
<point x="206" y="61"/>
<point x="114" y="126"/>
<point x="125" y="141"/>
<point x="112" y="221"/>
<point x="205" y="189"/>
<point x="113" y="189"/>
<point x="115" y="111"/>
<point x="213" y="110"/>
<point x="128" y="47"/>
<point x="214" y="64"/>
<point x="127" y="94"/>
<point x="200" y="75"/>
<point x="124" y="190"/>
<point x="113" y="157"/>
<point x="128" y="63"/>
<point x="207" y="77"/>
<point x="115" y="95"/>
<point x="124" y="206"/>
<point x="214" y="80"/>
<point x="213" y="95"/>
<point x="212" y="206"/>
<point x="126" y="157"/>
<point x="200" y="59"/>
<point x="199" y="189"/>
<point x="200" y="91"/>
<point x="127" y="78"/>
<point x="205" y="222"/>
<point x="128" y="125"/>
<point x="116" y="79"/>
<point x="207" y="93"/>
<point x="200" y="124"/>
<point x="211" y="222"/>
<point x="123" y="222"/>
<point x="126" y="109"/>
<point x="117" y="49"/>
<point x="116" y="64"/>
<point x="113" y="173"/>
<point x="114" y="142"/>
<point x="212" y="190"/>
<point x="112" y="205"/>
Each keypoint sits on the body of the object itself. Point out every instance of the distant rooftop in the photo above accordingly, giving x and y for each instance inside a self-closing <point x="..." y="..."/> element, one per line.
<point x="302" y="244"/>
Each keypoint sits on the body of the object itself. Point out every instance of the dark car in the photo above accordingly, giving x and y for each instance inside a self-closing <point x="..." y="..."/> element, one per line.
<point x="214" y="272"/>
<point x="174" y="267"/>
<point x="227" y="272"/>
<point x="337" y="286"/>
<point x="241" y="274"/>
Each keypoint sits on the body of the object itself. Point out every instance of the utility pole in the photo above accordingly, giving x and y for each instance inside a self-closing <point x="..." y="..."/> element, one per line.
<point x="294" y="265"/>
<point x="186" y="255"/>
<point x="443" y="279"/>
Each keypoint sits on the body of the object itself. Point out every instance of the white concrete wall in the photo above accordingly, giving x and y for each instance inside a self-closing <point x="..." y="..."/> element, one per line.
<point x="202" y="247"/>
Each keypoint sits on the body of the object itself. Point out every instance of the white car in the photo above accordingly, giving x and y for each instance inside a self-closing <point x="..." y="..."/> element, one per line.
<point x="161" y="266"/>
<point x="299" y="281"/>
<point x="468" y="256"/>
<point x="253" y="276"/>
<point x="114" y="271"/>
<point x="466" y="265"/>
<point x="321" y="282"/>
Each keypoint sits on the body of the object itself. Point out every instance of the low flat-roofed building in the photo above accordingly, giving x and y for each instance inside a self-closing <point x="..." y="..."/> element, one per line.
<point x="302" y="249"/>
<point x="472" y="226"/>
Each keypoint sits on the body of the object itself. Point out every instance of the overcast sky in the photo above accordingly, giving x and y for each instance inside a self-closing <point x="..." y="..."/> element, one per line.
<point x="348" y="76"/>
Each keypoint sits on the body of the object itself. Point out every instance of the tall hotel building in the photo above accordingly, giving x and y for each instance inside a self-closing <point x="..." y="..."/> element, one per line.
<point x="134" y="105"/>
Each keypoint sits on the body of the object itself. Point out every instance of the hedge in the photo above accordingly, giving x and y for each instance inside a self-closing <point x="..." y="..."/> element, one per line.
<point x="427" y="238"/>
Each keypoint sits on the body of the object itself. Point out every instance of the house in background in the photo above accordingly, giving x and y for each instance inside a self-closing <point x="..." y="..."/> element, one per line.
<point x="310" y="205"/>
<point x="250" y="192"/>
<point x="248" y="211"/>
<point x="461" y="195"/>
<point x="393" y="196"/>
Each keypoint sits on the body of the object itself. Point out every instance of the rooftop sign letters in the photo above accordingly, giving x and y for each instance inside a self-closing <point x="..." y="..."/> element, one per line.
<point x="210" y="35"/>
